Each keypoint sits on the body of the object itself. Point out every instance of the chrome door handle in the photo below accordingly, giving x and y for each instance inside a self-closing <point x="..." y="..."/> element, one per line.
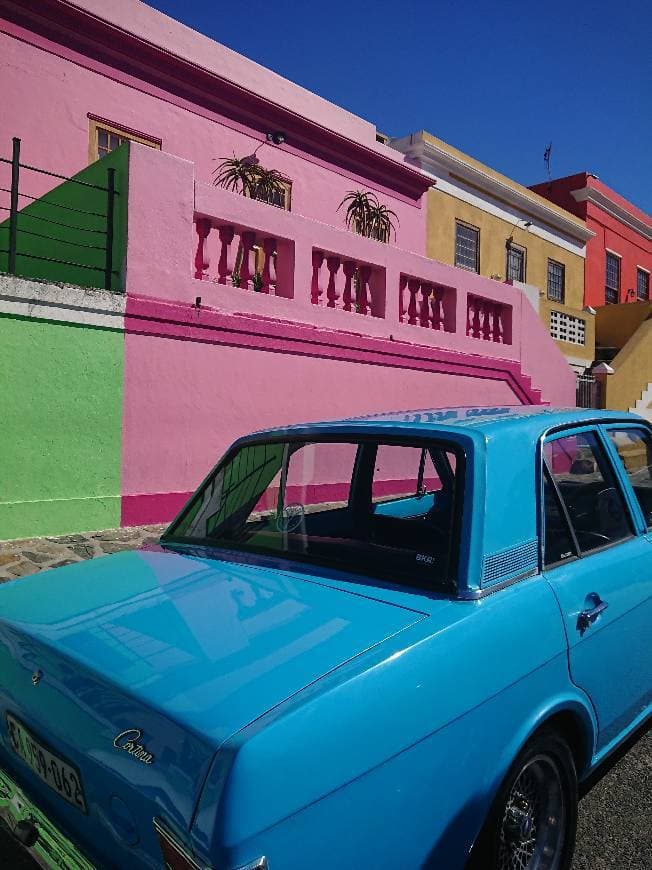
<point x="588" y="617"/>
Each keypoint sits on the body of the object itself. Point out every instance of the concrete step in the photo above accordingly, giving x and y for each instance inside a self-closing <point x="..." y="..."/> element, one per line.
<point x="643" y="405"/>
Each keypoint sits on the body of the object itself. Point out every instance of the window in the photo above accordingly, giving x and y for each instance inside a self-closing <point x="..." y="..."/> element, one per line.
<point x="642" y="285"/>
<point x="403" y="472"/>
<point x="467" y="247"/>
<point x="515" y="270"/>
<point x="379" y="509"/>
<point x="589" y="491"/>
<point x="558" y="543"/>
<point x="281" y="198"/>
<point x="565" y="327"/>
<point x="556" y="281"/>
<point x="612" y="278"/>
<point x="634" y="447"/>
<point x="105" y="137"/>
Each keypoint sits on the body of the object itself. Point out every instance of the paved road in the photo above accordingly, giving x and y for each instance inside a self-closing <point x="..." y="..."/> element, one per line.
<point x="615" y="830"/>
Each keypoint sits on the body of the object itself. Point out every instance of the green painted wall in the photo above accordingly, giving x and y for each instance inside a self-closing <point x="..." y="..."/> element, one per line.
<point x="60" y="438"/>
<point x="41" y="234"/>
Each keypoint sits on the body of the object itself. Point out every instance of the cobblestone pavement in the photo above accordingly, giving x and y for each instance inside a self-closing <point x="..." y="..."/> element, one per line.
<point x="615" y="825"/>
<point x="21" y="558"/>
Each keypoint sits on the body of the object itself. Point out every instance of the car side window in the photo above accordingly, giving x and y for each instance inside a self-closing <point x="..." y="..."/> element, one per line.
<point x="634" y="447"/>
<point x="559" y="545"/>
<point x="589" y="490"/>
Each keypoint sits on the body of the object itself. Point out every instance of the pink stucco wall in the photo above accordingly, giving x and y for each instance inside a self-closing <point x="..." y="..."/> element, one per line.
<point x="47" y="88"/>
<point x="196" y="378"/>
<point x="186" y="401"/>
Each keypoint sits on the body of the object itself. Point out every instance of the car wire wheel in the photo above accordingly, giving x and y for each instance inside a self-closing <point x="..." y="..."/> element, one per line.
<point x="533" y="819"/>
<point x="533" y="827"/>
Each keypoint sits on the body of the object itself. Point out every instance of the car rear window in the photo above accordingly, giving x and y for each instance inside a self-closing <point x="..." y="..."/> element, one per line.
<point x="367" y="506"/>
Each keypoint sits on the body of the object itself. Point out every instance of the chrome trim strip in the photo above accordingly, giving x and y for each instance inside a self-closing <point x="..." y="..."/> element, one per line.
<point x="258" y="864"/>
<point x="476" y="594"/>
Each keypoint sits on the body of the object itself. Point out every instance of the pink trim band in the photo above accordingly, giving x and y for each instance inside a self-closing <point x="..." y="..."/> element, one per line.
<point x="146" y="316"/>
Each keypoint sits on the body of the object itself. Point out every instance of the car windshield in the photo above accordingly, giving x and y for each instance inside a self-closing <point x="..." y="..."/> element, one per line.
<point x="372" y="507"/>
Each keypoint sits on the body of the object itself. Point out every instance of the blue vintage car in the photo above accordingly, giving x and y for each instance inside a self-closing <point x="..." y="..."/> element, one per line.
<point x="394" y="642"/>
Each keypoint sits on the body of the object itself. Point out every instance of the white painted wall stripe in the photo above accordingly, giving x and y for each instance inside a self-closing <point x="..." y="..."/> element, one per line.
<point x="61" y="302"/>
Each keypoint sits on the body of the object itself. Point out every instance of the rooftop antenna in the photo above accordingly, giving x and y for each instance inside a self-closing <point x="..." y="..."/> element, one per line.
<point x="546" y="160"/>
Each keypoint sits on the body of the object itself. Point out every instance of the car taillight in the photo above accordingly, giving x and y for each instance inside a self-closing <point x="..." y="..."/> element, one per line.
<point x="175" y="856"/>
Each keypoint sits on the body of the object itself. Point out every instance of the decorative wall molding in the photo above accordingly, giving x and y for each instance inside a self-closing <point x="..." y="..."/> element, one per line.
<point x="615" y="210"/>
<point x="146" y="316"/>
<point x="449" y="170"/>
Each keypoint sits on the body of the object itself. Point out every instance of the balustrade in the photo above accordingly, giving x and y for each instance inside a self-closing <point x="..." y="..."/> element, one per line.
<point x="349" y="285"/>
<point x="488" y="320"/>
<point x="428" y="305"/>
<point x="245" y="260"/>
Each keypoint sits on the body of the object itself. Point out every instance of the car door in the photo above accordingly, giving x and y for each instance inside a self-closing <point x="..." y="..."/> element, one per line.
<point x="598" y="561"/>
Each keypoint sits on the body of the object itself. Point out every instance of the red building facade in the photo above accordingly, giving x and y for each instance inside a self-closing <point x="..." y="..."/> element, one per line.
<point x="619" y="256"/>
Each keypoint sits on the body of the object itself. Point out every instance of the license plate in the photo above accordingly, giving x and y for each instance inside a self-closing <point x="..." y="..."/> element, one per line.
<point x="60" y="775"/>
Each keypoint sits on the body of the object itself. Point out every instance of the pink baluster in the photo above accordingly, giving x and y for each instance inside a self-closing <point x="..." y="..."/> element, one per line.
<point x="225" y="263"/>
<point x="348" y="267"/>
<point x="248" y="240"/>
<point x="402" y="286"/>
<point x="426" y="290"/>
<point x="202" y="261"/>
<point x="436" y="305"/>
<point x="315" y="289"/>
<point x="269" y="266"/>
<point x="413" y="286"/>
<point x="363" y="299"/>
<point x="477" y="308"/>
<point x="333" y="264"/>
<point x="487" y="311"/>
<point x="498" y="326"/>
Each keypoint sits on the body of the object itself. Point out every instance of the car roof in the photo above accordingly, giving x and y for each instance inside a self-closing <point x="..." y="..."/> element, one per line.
<point x="531" y="421"/>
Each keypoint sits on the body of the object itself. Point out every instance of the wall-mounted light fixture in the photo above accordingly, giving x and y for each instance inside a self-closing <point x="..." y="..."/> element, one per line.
<point x="278" y="137"/>
<point x="526" y="226"/>
<point x="275" y="137"/>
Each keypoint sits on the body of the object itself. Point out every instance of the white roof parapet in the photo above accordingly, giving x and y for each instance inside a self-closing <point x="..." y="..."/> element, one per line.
<point x="434" y="159"/>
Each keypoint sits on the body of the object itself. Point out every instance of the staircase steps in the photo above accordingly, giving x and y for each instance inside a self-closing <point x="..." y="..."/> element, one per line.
<point x="643" y="405"/>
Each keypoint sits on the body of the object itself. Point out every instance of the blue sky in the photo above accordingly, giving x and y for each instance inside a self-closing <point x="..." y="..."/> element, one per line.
<point x="498" y="80"/>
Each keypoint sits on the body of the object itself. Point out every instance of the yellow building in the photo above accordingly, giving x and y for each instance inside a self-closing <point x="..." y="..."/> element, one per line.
<point x="481" y="220"/>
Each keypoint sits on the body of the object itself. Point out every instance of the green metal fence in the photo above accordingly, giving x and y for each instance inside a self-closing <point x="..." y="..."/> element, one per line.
<point x="74" y="233"/>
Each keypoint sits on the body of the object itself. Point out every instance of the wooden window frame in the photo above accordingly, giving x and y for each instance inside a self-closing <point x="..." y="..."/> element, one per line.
<point x="468" y="226"/>
<point x="522" y="250"/>
<point x="96" y="124"/>
<point x="641" y="271"/>
<point x="562" y="266"/>
<point x="607" y="287"/>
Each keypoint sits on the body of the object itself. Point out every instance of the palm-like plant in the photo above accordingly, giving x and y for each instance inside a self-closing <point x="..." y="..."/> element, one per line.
<point x="269" y="185"/>
<point x="236" y="174"/>
<point x="381" y="223"/>
<point x="368" y="217"/>
<point x="245" y="175"/>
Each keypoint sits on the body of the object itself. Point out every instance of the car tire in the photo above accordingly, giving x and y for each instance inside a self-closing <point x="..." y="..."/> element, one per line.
<point x="533" y="820"/>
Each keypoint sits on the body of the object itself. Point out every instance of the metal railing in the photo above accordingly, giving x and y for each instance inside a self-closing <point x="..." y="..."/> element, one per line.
<point x="588" y="392"/>
<point x="106" y="232"/>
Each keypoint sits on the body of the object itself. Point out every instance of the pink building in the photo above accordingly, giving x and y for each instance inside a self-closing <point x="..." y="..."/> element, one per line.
<point x="340" y="324"/>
